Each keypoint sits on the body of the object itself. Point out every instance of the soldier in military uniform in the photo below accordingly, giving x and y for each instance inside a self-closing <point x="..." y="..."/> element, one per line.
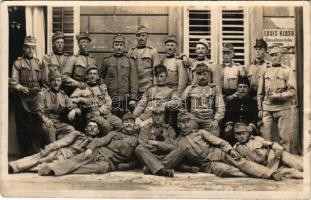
<point x="240" y="109"/>
<point x="256" y="68"/>
<point x="266" y="153"/>
<point x="95" y="101"/>
<point x="204" y="100"/>
<point x="74" y="71"/>
<point x="275" y="97"/>
<point x="71" y="144"/>
<point x="145" y="58"/>
<point x="102" y="155"/>
<point x="56" y="60"/>
<point x="121" y="78"/>
<point x="52" y="103"/>
<point x="229" y="72"/>
<point x="26" y="82"/>
<point x="214" y="155"/>
<point x="177" y="73"/>
<point x="156" y="141"/>
<point x="159" y="95"/>
<point x="201" y="51"/>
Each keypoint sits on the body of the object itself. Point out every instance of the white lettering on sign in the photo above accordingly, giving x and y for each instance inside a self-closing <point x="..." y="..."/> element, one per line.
<point x="283" y="37"/>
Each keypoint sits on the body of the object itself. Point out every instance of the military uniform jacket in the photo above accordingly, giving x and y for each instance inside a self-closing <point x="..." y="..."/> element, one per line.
<point x="280" y="80"/>
<point x="254" y="72"/>
<point x="213" y="71"/>
<point x="52" y="104"/>
<point x="229" y="77"/>
<point x="202" y="145"/>
<point x="74" y="70"/>
<point x="96" y="98"/>
<point x="145" y="59"/>
<point x="54" y="59"/>
<point x="205" y="102"/>
<point x="177" y="74"/>
<point x="27" y="73"/>
<point x="165" y="135"/>
<point x="120" y="75"/>
<point x="241" y="110"/>
<point x="154" y="96"/>
<point x="116" y="146"/>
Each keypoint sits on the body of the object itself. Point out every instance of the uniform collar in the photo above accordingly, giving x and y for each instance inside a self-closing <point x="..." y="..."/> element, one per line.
<point x="259" y="62"/>
<point x="227" y="64"/>
<point x="84" y="53"/>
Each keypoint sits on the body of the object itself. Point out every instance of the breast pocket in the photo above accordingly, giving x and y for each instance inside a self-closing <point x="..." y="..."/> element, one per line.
<point x="232" y="82"/>
<point x="280" y="82"/>
<point x="24" y="74"/>
<point x="147" y="62"/>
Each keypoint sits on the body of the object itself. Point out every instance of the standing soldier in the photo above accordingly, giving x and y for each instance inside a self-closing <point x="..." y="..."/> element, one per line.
<point x="275" y="97"/>
<point x="56" y="60"/>
<point x="256" y="69"/>
<point x="177" y="77"/>
<point x="121" y="78"/>
<point x="229" y="72"/>
<point x="204" y="101"/>
<point x="52" y="103"/>
<point x="201" y="50"/>
<point x="74" y="71"/>
<point x="26" y="80"/>
<point x="145" y="58"/>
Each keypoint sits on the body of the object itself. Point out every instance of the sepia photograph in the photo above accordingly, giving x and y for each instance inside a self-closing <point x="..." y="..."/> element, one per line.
<point x="155" y="99"/>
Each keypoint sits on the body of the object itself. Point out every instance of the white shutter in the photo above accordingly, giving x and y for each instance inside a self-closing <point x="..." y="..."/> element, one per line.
<point x="199" y="27"/>
<point x="233" y="32"/>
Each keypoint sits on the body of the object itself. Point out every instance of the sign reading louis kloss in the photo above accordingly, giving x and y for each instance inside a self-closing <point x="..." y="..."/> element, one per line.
<point x="285" y="37"/>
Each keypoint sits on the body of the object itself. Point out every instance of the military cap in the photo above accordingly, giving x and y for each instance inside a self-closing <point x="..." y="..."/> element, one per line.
<point x="204" y="42"/>
<point x="128" y="116"/>
<point x="83" y="35"/>
<point x="159" y="69"/>
<point x="171" y="38"/>
<point x="90" y="67"/>
<point x="54" y="74"/>
<point x="201" y="68"/>
<point x="227" y="47"/>
<point x="30" y="41"/>
<point x="243" y="80"/>
<point x="241" y="127"/>
<point x="260" y="43"/>
<point x="183" y="115"/>
<point x="275" y="49"/>
<point x="58" y="35"/>
<point x="118" y="38"/>
<point x="141" y="29"/>
<point x="101" y="122"/>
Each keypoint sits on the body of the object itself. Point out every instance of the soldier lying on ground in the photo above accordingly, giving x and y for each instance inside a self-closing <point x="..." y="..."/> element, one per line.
<point x="214" y="155"/>
<point x="266" y="153"/>
<point x="70" y="145"/>
<point x="95" y="101"/>
<point x="102" y="155"/>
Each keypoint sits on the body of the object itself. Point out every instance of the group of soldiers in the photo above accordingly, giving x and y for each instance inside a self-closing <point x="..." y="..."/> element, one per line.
<point x="190" y="115"/>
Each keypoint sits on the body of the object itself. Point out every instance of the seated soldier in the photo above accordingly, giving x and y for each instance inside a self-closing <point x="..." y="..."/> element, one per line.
<point x="214" y="155"/>
<point x="269" y="154"/>
<point x="155" y="142"/>
<point x="52" y="103"/>
<point x="242" y="108"/>
<point x="71" y="144"/>
<point x="102" y="155"/>
<point x="155" y="96"/>
<point x="95" y="101"/>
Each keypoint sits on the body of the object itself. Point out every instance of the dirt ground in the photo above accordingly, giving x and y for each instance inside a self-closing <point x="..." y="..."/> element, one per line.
<point x="135" y="180"/>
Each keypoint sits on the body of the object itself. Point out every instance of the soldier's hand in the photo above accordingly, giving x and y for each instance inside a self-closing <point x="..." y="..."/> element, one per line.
<point x="88" y="153"/>
<point x="24" y="90"/>
<point x="132" y="103"/>
<point x="260" y="114"/>
<point x="72" y="115"/>
<point x="153" y="142"/>
<point x="277" y="146"/>
<point x="234" y="154"/>
<point x="214" y="125"/>
<point x="185" y="61"/>
<point x="228" y="128"/>
<point x="82" y="85"/>
<point x="49" y="123"/>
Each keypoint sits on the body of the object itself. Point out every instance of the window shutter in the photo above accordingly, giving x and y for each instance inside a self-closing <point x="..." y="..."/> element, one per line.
<point x="63" y="20"/>
<point x="199" y="27"/>
<point x="233" y="32"/>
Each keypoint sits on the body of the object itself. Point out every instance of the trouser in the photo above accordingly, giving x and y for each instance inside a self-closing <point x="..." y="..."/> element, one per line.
<point x="206" y="125"/>
<point x="57" y="131"/>
<point x="29" y="131"/>
<point x="292" y="161"/>
<point x="157" y="162"/>
<point x="283" y="121"/>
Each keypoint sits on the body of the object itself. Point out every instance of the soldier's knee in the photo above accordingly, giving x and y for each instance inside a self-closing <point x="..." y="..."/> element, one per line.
<point x="139" y="149"/>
